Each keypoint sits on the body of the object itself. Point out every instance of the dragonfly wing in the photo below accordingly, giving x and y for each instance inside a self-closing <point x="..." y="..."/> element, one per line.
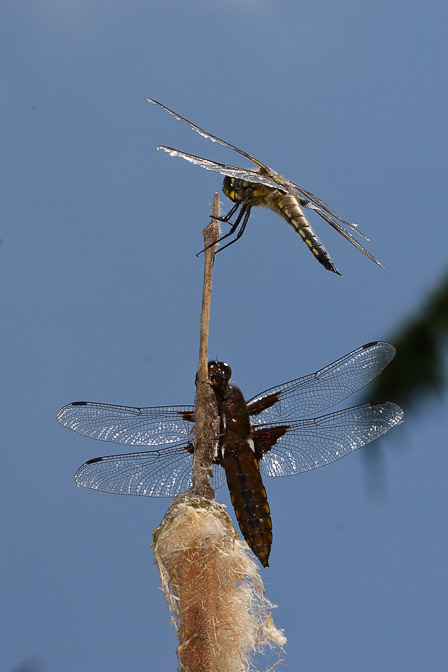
<point x="231" y="171"/>
<point x="154" y="473"/>
<point x="319" y="204"/>
<point x="308" y="200"/>
<point x="346" y="234"/>
<point x="206" y="134"/>
<point x="127" y="425"/>
<point x="308" y="444"/>
<point x="313" y="393"/>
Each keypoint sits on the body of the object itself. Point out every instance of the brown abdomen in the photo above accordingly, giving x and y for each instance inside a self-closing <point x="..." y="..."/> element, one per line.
<point x="249" y="498"/>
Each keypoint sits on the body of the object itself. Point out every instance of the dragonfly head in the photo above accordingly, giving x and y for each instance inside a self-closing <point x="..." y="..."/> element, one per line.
<point x="219" y="374"/>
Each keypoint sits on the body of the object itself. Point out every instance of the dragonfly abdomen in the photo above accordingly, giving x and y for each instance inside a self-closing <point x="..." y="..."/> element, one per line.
<point x="287" y="206"/>
<point x="249" y="498"/>
<point x="284" y="204"/>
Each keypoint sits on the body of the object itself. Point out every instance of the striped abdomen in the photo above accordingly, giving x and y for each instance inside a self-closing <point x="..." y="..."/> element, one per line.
<point x="287" y="206"/>
<point x="284" y="204"/>
<point x="249" y="498"/>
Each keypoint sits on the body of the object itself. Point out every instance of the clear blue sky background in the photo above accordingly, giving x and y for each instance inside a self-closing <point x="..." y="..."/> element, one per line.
<point x="100" y="298"/>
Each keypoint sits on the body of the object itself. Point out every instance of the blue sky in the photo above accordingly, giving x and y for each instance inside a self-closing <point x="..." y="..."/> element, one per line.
<point x="101" y="297"/>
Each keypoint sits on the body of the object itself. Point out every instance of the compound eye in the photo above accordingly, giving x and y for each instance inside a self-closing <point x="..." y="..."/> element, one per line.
<point x="226" y="370"/>
<point x="219" y="370"/>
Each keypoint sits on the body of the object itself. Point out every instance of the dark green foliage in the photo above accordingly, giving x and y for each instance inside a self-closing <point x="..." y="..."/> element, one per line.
<point x="418" y="369"/>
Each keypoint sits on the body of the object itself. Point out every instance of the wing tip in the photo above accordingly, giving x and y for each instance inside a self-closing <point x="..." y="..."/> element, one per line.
<point x="399" y="413"/>
<point x="93" y="461"/>
<point x="384" y="344"/>
<point x="370" y="345"/>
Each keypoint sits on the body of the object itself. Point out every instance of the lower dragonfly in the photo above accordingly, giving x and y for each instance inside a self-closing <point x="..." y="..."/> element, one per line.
<point x="265" y="187"/>
<point x="262" y="436"/>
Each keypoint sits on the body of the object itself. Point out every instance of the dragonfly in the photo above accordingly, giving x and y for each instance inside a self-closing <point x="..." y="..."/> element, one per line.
<point x="264" y="187"/>
<point x="276" y="433"/>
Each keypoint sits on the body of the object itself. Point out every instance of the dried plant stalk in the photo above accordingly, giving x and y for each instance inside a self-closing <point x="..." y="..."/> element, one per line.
<point x="206" y="410"/>
<point x="213" y="587"/>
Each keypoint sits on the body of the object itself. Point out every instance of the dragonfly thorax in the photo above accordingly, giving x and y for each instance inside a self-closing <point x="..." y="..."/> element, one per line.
<point x="242" y="191"/>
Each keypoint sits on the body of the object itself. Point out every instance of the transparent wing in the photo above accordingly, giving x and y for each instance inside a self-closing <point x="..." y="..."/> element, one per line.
<point x="231" y="171"/>
<point x="155" y="473"/>
<point x="313" y="202"/>
<point x="206" y="134"/>
<point x="318" y="203"/>
<point x="346" y="234"/>
<point x="309" y="444"/>
<point x="270" y="178"/>
<point x="127" y="425"/>
<point x="282" y="184"/>
<point x="313" y="393"/>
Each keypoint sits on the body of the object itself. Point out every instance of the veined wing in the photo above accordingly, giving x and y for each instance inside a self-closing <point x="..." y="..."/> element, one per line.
<point x="154" y="473"/>
<point x="231" y="171"/>
<point x="278" y="181"/>
<point x="307" y="199"/>
<point x="312" y="202"/>
<point x="302" y="445"/>
<point x="332" y="221"/>
<point x="269" y="180"/>
<point x="127" y="425"/>
<point x="210" y="136"/>
<point x="284" y="450"/>
<point x="316" y="203"/>
<point x="325" y="388"/>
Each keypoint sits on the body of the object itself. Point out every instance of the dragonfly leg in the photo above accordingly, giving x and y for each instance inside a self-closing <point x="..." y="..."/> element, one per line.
<point x="229" y="215"/>
<point x="244" y="212"/>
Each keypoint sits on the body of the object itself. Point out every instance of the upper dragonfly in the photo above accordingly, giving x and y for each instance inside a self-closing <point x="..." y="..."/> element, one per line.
<point x="265" y="187"/>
